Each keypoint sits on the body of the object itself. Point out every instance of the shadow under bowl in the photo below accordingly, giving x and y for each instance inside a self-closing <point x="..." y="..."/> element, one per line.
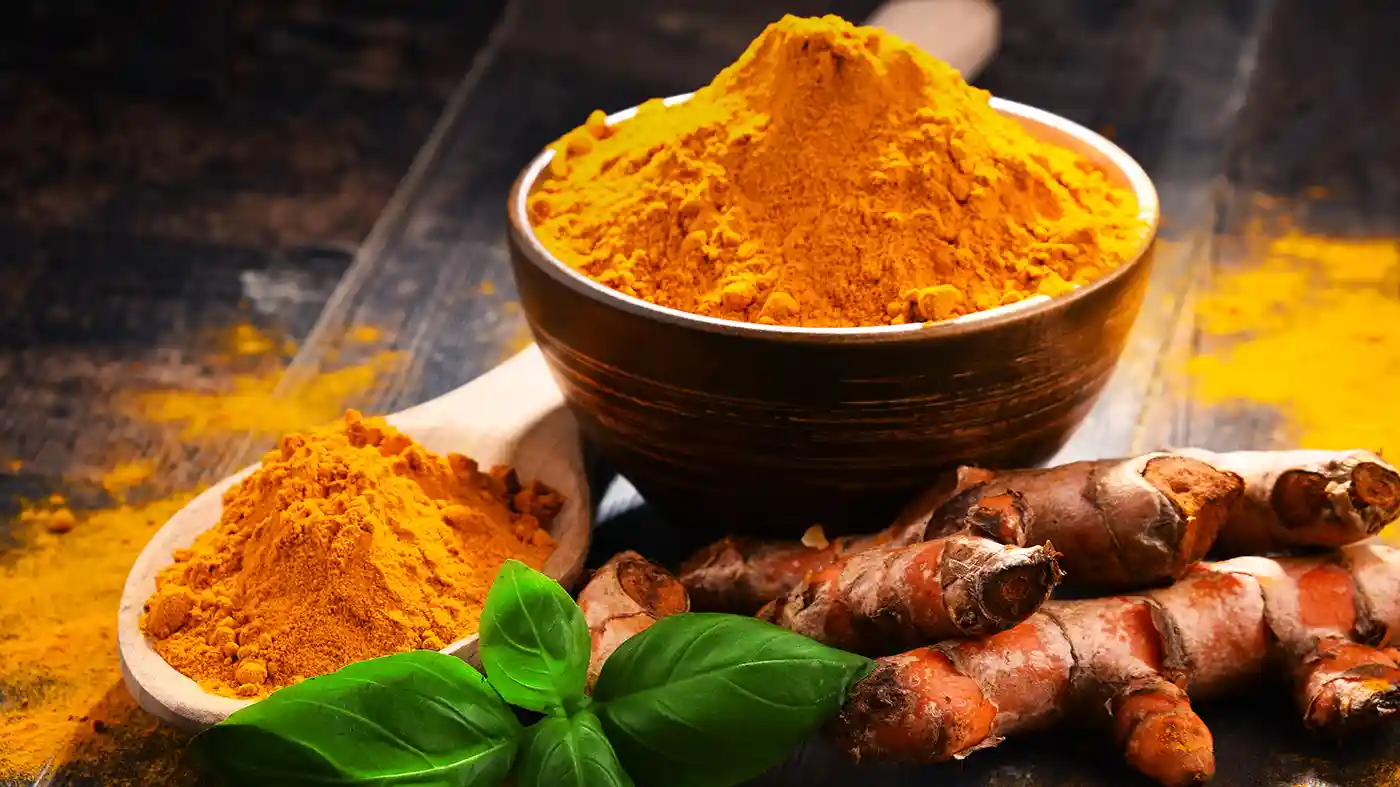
<point x="744" y="428"/>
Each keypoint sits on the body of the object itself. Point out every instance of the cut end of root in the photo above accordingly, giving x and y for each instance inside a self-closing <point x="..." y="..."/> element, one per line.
<point x="1019" y="588"/>
<point x="1004" y="518"/>
<point x="1203" y="494"/>
<point x="652" y="587"/>
<point x="1300" y="498"/>
<point x="1376" y="486"/>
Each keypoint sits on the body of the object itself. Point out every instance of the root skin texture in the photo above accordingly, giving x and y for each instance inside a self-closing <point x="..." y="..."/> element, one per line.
<point x="743" y="574"/>
<point x="1305" y="498"/>
<point x="888" y="599"/>
<point x="1120" y="524"/>
<point x="1123" y="523"/>
<point x="1127" y="664"/>
<point x="623" y="598"/>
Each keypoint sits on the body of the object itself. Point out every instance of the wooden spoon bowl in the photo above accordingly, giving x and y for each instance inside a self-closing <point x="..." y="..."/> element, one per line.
<point x="513" y="415"/>
<point x="745" y="427"/>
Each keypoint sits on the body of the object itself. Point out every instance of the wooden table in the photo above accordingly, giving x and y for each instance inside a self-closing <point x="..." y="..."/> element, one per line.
<point x="1219" y="100"/>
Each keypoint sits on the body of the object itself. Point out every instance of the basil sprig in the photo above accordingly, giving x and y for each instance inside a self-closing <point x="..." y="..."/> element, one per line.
<point x="696" y="700"/>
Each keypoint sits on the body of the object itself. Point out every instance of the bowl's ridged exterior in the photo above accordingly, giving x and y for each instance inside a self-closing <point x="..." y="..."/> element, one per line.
<point x="753" y="431"/>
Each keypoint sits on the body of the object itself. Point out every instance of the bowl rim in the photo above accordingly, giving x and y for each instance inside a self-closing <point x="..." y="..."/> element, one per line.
<point x="1149" y="212"/>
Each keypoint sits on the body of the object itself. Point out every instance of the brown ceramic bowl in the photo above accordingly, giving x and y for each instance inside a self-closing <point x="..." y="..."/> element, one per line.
<point x="762" y="429"/>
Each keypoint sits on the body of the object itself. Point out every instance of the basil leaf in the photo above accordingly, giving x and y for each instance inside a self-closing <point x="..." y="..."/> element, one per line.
<point x="710" y="700"/>
<point x="534" y="641"/>
<point x="420" y="718"/>
<point x="569" y="752"/>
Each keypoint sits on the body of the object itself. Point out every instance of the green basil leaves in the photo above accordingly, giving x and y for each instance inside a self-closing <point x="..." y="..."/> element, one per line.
<point x="705" y="700"/>
<point x="534" y="641"/>
<point x="696" y="700"/>
<point x="570" y="752"/>
<point x="420" y="718"/>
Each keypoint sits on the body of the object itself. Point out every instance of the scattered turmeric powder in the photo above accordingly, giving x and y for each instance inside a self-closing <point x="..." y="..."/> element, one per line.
<point x="125" y="475"/>
<point x="1321" y="303"/>
<point x="833" y="176"/>
<point x="59" y="621"/>
<point x="366" y="334"/>
<point x="53" y="518"/>
<point x="254" y="403"/>
<point x="349" y="542"/>
<point x="248" y="340"/>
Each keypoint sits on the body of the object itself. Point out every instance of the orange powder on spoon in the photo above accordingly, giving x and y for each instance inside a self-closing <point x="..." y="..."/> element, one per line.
<point x="349" y="542"/>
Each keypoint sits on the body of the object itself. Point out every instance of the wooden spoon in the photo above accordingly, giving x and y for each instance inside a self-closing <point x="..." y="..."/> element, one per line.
<point x="512" y="415"/>
<point x="962" y="33"/>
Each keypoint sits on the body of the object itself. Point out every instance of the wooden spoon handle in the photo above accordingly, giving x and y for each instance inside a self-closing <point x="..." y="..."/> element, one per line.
<point x="504" y="403"/>
<point x="962" y="33"/>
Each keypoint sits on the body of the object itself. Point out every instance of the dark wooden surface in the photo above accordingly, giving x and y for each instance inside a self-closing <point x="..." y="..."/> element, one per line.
<point x="162" y="179"/>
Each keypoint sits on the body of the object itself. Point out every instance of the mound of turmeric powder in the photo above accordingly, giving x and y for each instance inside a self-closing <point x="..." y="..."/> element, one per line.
<point x="833" y="176"/>
<point x="348" y="542"/>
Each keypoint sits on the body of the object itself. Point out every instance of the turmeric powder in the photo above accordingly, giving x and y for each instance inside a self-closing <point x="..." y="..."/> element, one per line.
<point x="833" y="176"/>
<point x="58" y="597"/>
<point x="1322" y="303"/>
<point x="256" y="403"/>
<point x="349" y="542"/>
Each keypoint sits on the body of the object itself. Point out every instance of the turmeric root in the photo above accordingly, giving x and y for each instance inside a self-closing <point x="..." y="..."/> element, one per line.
<point x="1119" y="523"/>
<point x="1305" y="498"/>
<point x="1122" y="523"/>
<point x="1128" y="664"/>
<point x="623" y="598"/>
<point x="742" y="574"/>
<point x="886" y="599"/>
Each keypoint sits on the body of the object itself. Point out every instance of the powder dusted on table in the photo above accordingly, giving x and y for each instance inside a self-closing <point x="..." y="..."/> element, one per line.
<point x="833" y="176"/>
<point x="347" y="543"/>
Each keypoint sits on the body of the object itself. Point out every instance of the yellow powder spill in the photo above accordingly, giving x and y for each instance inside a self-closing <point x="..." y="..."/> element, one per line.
<point x="248" y="340"/>
<point x="1316" y="328"/>
<point x="55" y="519"/>
<point x="126" y="475"/>
<point x="58" y="629"/>
<point x="1316" y="321"/>
<point x="366" y="334"/>
<point x="254" y="405"/>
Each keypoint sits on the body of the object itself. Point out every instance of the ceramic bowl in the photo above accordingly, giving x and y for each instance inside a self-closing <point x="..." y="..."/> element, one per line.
<point x="761" y="429"/>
